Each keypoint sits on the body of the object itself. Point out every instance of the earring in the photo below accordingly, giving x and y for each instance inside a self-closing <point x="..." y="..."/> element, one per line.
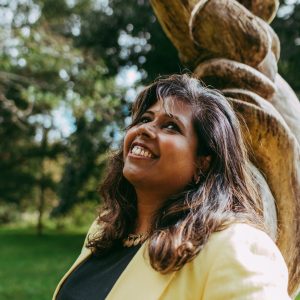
<point x="197" y="179"/>
<point x="198" y="176"/>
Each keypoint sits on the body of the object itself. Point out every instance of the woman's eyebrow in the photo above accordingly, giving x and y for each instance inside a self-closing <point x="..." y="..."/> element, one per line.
<point x="169" y="115"/>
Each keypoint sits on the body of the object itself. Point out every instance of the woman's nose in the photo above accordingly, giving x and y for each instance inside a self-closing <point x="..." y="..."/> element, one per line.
<point x="148" y="130"/>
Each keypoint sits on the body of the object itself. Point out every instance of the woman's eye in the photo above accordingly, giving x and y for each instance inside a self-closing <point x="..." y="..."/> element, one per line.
<point x="144" y="120"/>
<point x="172" y="126"/>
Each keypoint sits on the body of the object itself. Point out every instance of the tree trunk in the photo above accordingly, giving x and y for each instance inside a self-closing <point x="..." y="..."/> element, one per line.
<point x="41" y="207"/>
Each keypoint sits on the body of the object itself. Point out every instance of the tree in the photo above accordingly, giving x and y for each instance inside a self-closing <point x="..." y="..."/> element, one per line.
<point x="42" y="72"/>
<point x="287" y="26"/>
<point x="67" y="56"/>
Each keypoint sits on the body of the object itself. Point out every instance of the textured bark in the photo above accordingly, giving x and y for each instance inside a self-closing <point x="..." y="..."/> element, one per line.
<point x="268" y="66"/>
<point x="233" y="48"/>
<point x="287" y="103"/>
<point x="255" y="99"/>
<point x="265" y="9"/>
<point x="284" y="104"/>
<point x="268" y="201"/>
<point x="273" y="39"/>
<point x="227" y="29"/>
<point x="173" y="16"/>
<point x="276" y="153"/>
<point x="224" y="73"/>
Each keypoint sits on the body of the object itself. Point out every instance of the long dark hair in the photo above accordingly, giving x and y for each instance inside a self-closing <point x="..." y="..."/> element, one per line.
<point x="226" y="193"/>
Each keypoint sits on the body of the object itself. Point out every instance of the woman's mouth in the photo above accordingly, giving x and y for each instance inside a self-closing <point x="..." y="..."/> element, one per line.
<point x="141" y="151"/>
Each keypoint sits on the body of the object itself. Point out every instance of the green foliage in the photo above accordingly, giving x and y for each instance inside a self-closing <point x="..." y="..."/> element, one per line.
<point x="80" y="216"/>
<point x="57" y="54"/>
<point x="287" y="26"/>
<point x="127" y="33"/>
<point x="43" y="72"/>
<point x="82" y="165"/>
<point x="65" y="56"/>
<point x="8" y="213"/>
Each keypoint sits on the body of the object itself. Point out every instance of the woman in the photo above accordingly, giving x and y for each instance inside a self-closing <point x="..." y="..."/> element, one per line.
<point x="181" y="217"/>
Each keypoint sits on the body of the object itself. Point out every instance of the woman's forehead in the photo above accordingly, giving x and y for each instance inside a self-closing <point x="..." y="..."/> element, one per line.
<point x="170" y="105"/>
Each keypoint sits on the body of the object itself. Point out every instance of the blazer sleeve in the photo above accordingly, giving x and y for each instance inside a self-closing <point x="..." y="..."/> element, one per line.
<point x="245" y="265"/>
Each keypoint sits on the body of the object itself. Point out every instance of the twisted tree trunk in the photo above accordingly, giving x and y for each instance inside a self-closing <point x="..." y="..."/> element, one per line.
<point x="231" y="46"/>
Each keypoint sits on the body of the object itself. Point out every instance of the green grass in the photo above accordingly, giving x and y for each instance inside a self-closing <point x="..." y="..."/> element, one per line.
<point x="31" y="265"/>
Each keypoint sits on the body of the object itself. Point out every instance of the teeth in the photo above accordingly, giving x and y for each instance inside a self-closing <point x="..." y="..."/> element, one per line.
<point x="137" y="150"/>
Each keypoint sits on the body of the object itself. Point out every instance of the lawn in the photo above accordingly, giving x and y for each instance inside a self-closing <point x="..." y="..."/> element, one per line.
<point x="31" y="266"/>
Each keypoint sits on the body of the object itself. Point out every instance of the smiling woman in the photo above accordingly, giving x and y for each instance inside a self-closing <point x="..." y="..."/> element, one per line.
<point x="182" y="218"/>
<point x="163" y="137"/>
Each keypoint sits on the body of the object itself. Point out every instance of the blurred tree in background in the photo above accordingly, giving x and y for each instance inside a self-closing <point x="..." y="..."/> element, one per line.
<point x="69" y="70"/>
<point x="287" y="26"/>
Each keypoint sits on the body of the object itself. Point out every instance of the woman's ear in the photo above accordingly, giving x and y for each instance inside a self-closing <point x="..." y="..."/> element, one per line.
<point x="203" y="164"/>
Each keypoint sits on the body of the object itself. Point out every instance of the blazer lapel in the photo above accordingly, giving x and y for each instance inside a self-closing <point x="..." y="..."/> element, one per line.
<point x="139" y="280"/>
<point x="82" y="257"/>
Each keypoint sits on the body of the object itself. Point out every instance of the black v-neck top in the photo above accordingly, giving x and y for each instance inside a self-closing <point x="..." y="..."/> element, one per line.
<point x="94" y="278"/>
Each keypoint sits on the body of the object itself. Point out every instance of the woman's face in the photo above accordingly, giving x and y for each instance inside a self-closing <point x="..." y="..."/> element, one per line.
<point x="160" y="150"/>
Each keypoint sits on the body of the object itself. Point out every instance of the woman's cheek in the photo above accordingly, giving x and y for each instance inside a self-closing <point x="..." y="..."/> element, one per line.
<point x="175" y="146"/>
<point x="128" y="139"/>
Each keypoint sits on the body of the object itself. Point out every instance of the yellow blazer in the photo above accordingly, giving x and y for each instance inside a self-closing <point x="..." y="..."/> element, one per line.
<point x="238" y="263"/>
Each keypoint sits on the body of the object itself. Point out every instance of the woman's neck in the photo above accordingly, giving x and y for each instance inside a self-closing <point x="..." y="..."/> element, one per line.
<point x="147" y="205"/>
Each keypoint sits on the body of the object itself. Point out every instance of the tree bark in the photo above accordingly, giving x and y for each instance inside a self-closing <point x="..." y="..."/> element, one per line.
<point x="265" y="9"/>
<point x="41" y="207"/>
<point x="227" y="29"/>
<point x="225" y="73"/>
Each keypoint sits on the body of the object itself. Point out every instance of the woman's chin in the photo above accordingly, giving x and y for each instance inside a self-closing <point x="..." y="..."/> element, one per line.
<point x="138" y="178"/>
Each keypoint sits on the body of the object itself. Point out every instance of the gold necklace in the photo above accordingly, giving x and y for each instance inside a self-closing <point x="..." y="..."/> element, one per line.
<point x="134" y="239"/>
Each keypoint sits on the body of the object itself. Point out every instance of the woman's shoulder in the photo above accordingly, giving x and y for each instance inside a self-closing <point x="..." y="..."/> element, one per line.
<point x="242" y="241"/>
<point x="245" y="254"/>
<point x="239" y="234"/>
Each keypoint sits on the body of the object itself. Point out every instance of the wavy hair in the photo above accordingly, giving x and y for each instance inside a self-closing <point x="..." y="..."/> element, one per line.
<point x="225" y="194"/>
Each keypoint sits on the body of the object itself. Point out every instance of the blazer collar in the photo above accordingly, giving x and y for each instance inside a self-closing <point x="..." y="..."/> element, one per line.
<point x="138" y="281"/>
<point x="82" y="257"/>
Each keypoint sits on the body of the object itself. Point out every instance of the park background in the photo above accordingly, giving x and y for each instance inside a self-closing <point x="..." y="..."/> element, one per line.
<point x="69" y="71"/>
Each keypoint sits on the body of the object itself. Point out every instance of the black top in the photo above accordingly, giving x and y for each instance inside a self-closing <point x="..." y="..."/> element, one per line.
<point x="94" y="278"/>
